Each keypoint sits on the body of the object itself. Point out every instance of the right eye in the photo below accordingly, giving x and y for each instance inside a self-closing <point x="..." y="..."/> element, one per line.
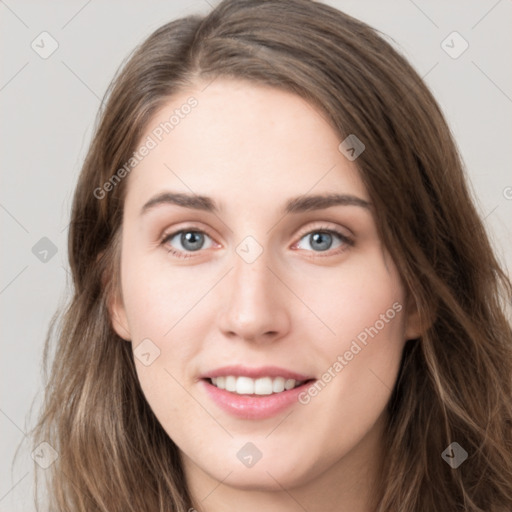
<point x="190" y="240"/>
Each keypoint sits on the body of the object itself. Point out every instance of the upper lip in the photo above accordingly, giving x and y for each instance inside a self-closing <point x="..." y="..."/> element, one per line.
<point x="255" y="373"/>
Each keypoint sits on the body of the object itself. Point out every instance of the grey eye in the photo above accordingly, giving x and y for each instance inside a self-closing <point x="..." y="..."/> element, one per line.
<point x="192" y="240"/>
<point x="320" y="241"/>
<point x="189" y="240"/>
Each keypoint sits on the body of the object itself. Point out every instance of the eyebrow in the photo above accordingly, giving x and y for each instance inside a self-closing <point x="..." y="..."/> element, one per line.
<point x="298" y="204"/>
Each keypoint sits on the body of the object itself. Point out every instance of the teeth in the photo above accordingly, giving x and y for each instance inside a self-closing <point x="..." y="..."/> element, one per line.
<point x="230" y="383"/>
<point x="262" y="386"/>
<point x="278" y="385"/>
<point x="289" y="384"/>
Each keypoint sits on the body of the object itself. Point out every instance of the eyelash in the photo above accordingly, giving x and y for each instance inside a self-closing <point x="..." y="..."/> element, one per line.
<point x="347" y="241"/>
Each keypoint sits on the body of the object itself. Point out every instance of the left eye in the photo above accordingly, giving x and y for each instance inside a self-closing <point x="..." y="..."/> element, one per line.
<point x="322" y="240"/>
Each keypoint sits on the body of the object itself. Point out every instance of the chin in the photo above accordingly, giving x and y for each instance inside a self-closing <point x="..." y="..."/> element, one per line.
<point x="270" y="473"/>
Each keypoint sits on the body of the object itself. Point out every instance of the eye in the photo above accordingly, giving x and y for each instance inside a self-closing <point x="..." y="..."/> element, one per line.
<point x="183" y="243"/>
<point x="188" y="240"/>
<point x="321" y="240"/>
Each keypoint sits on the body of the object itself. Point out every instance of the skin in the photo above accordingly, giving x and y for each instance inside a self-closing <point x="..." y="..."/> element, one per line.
<point x="251" y="147"/>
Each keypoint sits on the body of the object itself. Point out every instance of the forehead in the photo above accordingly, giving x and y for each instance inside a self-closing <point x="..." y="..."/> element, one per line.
<point x="241" y="142"/>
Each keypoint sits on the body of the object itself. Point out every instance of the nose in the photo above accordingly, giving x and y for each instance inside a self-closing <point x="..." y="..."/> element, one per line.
<point x="255" y="305"/>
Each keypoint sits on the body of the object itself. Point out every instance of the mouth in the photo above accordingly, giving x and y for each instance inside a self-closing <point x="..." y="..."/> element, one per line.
<point x="262" y="386"/>
<point x="254" y="399"/>
<point x="254" y="393"/>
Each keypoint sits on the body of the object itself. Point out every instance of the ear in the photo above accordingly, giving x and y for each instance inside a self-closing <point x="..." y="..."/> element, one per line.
<point x="413" y="327"/>
<point x="115" y="305"/>
<point x="118" y="316"/>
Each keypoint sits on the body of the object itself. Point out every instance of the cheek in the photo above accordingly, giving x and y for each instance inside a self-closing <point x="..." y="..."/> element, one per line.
<point x="157" y="297"/>
<point x="360" y="352"/>
<point x="357" y="296"/>
<point x="167" y="314"/>
<point x="159" y="305"/>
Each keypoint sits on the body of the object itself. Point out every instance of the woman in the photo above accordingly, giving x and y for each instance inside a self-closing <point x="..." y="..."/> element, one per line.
<point x="284" y="296"/>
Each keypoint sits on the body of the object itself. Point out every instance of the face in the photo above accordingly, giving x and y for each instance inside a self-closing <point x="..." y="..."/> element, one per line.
<point x="251" y="280"/>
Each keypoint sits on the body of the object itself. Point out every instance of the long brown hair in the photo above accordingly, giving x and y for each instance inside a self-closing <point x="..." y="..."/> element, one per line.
<point x="455" y="381"/>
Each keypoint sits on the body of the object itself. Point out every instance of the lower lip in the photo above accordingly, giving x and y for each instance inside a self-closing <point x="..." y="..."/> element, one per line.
<point x="254" y="407"/>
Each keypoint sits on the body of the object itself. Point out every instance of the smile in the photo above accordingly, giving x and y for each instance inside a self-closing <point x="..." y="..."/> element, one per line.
<point x="242" y="385"/>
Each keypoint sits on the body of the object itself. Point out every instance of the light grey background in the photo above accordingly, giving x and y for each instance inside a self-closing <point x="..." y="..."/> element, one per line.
<point x="48" y="108"/>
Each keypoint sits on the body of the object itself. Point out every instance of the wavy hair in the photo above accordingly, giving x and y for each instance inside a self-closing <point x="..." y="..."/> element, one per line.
<point x="455" y="381"/>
